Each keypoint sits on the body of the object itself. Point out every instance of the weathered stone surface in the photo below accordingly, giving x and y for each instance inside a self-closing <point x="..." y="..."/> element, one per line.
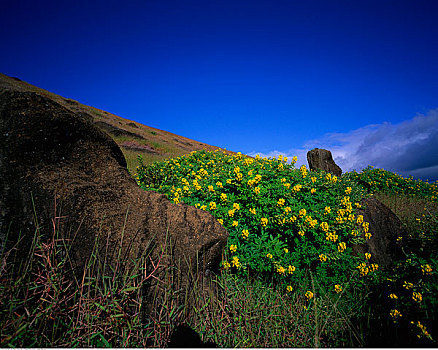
<point x="49" y="154"/>
<point x="322" y="159"/>
<point x="385" y="227"/>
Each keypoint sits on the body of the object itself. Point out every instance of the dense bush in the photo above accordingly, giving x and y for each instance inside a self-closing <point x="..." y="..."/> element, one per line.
<point x="283" y="222"/>
<point x="296" y="227"/>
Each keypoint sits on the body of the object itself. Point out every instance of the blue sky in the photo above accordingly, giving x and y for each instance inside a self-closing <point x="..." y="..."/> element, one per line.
<point x="263" y="76"/>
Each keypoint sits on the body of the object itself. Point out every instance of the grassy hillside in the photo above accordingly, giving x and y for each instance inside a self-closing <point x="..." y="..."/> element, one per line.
<point x="133" y="138"/>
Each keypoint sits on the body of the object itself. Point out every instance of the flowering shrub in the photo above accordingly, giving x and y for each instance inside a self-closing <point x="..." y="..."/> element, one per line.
<point x="380" y="180"/>
<point x="283" y="222"/>
<point x="287" y="223"/>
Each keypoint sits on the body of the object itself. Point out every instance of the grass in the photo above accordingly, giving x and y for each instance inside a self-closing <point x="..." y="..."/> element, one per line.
<point x="51" y="307"/>
<point x="251" y="313"/>
<point x="47" y="308"/>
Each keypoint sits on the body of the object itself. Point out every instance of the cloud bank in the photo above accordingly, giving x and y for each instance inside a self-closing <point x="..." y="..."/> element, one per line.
<point x="407" y="148"/>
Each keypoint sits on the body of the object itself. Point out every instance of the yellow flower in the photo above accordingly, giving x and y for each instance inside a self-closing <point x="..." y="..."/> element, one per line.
<point x="233" y="248"/>
<point x="312" y="191"/>
<point x="374" y="267"/>
<point x="303" y="170"/>
<point x="426" y="269"/>
<point x="220" y="221"/>
<point x="327" y="210"/>
<point x="417" y="297"/>
<point x="367" y="256"/>
<point x="287" y="185"/>
<point x="235" y="262"/>
<point x="219" y="184"/>
<point x="231" y="212"/>
<point x="341" y="247"/>
<point x="324" y="226"/>
<point x="251" y="182"/>
<point x="365" y="226"/>
<point x="302" y="212"/>
<point x="408" y="285"/>
<point x="236" y="206"/>
<point x="297" y="188"/>
<point x="280" y="202"/>
<point x="235" y="223"/>
<point x="322" y="257"/>
<point x="308" y="295"/>
<point x="203" y="207"/>
<point x="331" y="236"/>
<point x="269" y="256"/>
<point x="226" y="265"/>
<point x="264" y="222"/>
<point x="223" y="197"/>
<point x="293" y="218"/>
<point x="301" y="233"/>
<point x="359" y="219"/>
<point x="252" y="211"/>
<point x="348" y="190"/>
<point x="395" y="314"/>
<point x="338" y="288"/>
<point x="281" y="270"/>
<point x="424" y="332"/>
<point x="393" y="296"/>
<point x="210" y="188"/>
<point x="291" y="269"/>
<point x="286" y="250"/>
<point x="287" y="210"/>
<point x="363" y="269"/>
<point x="313" y="178"/>
<point x="289" y="289"/>
<point x="212" y="205"/>
<point x="245" y="234"/>
<point x="257" y="190"/>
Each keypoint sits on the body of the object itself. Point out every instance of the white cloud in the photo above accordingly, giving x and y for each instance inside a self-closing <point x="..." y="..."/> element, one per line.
<point x="407" y="148"/>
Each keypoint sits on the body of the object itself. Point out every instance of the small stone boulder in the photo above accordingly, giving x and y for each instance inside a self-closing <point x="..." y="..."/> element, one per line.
<point x="322" y="159"/>
<point x="385" y="227"/>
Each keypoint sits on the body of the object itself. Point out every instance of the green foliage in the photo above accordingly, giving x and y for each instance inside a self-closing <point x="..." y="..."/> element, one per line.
<point x="283" y="222"/>
<point x="410" y="289"/>
<point x="379" y="180"/>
